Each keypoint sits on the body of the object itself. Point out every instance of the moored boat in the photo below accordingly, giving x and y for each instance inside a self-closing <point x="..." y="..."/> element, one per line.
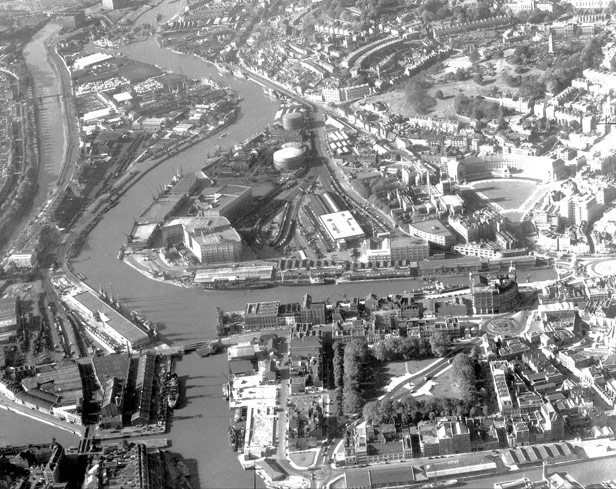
<point x="173" y="393"/>
<point x="233" y="438"/>
<point x="185" y="471"/>
<point x="440" y="484"/>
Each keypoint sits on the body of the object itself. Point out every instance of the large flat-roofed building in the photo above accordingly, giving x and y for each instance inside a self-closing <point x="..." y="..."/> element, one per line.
<point x="211" y="239"/>
<point x="433" y="231"/>
<point x="235" y="275"/>
<point x="110" y="321"/>
<point x="229" y="201"/>
<point x="91" y="60"/>
<point x="259" y="315"/>
<point x="8" y="319"/>
<point x="143" y="389"/>
<point x="396" y="248"/>
<point x="342" y="227"/>
<point x="162" y="208"/>
<point x="142" y="235"/>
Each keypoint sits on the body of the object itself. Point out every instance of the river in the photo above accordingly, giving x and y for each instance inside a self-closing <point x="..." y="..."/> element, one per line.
<point x="51" y="110"/>
<point x="187" y="315"/>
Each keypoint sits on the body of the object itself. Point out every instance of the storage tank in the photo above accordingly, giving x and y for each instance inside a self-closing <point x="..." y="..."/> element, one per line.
<point x="293" y="121"/>
<point x="290" y="158"/>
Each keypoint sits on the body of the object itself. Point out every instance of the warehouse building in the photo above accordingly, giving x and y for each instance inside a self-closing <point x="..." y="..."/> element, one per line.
<point x="8" y="319"/>
<point x="210" y="239"/>
<point x="109" y="320"/>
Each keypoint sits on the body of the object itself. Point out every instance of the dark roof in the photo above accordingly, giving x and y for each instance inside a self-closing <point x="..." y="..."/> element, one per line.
<point x="272" y="469"/>
<point x="238" y="367"/>
<point x="357" y="478"/>
<point x="392" y="476"/>
<point x="37" y="401"/>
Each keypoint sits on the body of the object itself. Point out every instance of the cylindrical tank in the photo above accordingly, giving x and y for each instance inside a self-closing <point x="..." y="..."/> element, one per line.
<point x="293" y="121"/>
<point x="290" y="158"/>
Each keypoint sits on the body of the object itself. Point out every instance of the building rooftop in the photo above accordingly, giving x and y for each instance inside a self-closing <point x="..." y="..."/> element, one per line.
<point x="432" y="226"/>
<point x="342" y="225"/>
<point x="262" y="308"/>
<point x="119" y="323"/>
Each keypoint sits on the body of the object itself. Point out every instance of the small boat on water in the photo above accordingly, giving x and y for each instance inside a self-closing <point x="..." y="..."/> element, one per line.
<point x="522" y="483"/>
<point x="121" y="252"/>
<point x="173" y="393"/>
<point x="185" y="471"/>
<point x="440" y="484"/>
<point x="233" y="438"/>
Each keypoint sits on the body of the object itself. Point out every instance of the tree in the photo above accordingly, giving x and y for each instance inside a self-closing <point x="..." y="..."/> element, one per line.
<point x="371" y="411"/>
<point x="352" y="401"/>
<point x="439" y="93"/>
<point x="418" y="98"/>
<point x="478" y="78"/>
<point x="474" y="56"/>
<point x="439" y="343"/>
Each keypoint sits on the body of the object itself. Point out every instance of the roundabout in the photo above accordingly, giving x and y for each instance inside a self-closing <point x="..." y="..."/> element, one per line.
<point x="602" y="268"/>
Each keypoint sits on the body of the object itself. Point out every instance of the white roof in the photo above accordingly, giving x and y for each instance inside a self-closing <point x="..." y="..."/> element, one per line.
<point x="122" y="97"/>
<point x="92" y="59"/>
<point x="342" y="225"/>
<point x="96" y="114"/>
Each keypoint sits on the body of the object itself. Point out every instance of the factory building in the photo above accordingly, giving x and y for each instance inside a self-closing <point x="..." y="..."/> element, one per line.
<point x="210" y="239"/>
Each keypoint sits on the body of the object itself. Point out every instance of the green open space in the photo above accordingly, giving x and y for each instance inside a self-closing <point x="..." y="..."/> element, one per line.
<point x="444" y="387"/>
<point x="509" y="194"/>
<point x="303" y="459"/>
<point x="398" y="369"/>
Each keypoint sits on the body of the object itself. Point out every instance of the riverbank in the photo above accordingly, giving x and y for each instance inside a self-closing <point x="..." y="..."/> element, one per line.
<point x="47" y="419"/>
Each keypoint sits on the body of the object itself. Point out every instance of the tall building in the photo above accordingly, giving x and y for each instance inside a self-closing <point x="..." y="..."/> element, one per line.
<point x="312" y="312"/>
<point x="493" y="296"/>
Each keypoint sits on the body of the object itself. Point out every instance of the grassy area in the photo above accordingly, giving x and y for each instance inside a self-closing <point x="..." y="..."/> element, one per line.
<point x="397" y="369"/>
<point x="509" y="194"/>
<point x="444" y="387"/>
<point x="303" y="459"/>
<point x="491" y="70"/>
